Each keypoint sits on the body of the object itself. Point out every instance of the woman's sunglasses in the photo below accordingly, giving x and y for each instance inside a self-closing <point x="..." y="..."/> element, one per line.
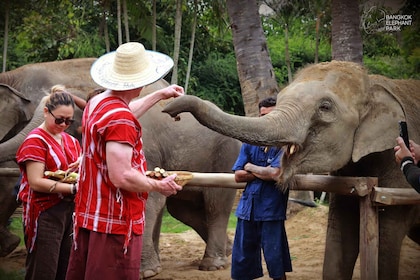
<point x="61" y="120"/>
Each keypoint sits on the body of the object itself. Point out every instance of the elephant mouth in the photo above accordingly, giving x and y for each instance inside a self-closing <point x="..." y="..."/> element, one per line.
<point x="288" y="169"/>
<point x="291" y="149"/>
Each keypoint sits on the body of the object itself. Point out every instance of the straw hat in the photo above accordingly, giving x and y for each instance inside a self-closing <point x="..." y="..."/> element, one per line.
<point x="130" y="67"/>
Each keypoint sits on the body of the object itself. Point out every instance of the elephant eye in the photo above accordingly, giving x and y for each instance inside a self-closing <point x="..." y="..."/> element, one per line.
<point x="325" y="106"/>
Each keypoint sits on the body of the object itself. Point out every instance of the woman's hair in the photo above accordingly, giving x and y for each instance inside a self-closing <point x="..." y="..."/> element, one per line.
<point x="59" y="96"/>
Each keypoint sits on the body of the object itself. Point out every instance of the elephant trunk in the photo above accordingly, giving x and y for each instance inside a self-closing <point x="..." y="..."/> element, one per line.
<point x="267" y="130"/>
<point x="9" y="148"/>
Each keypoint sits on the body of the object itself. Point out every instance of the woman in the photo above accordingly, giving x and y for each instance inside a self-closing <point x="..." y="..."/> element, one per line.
<point x="48" y="204"/>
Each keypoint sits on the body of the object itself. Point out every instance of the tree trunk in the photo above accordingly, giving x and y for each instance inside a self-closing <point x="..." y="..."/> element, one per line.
<point x="177" y="41"/>
<point x="105" y="23"/>
<point x="255" y="70"/>
<point x="318" y="23"/>
<point x="190" y="57"/>
<point x="154" y="26"/>
<point x="119" y="22"/>
<point x="287" y="54"/>
<point x="346" y="38"/>
<point x="6" y="34"/>
<point x="126" y="27"/>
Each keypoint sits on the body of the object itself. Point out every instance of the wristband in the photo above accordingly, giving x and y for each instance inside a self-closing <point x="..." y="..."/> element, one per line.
<point x="73" y="189"/>
<point x="406" y="161"/>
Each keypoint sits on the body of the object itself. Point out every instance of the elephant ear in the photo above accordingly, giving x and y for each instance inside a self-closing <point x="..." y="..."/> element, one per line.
<point x="378" y="128"/>
<point x="27" y="108"/>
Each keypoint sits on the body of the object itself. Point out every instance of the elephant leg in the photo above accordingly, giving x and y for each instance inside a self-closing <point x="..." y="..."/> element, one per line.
<point x="210" y="222"/>
<point x="8" y="205"/>
<point x="393" y="227"/>
<point x="414" y="233"/>
<point x="217" y="248"/>
<point x="150" y="260"/>
<point x="342" y="240"/>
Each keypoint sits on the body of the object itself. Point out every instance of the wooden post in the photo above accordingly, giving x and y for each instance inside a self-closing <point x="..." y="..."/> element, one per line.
<point x="369" y="236"/>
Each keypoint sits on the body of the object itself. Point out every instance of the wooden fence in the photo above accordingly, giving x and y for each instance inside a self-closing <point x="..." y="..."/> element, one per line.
<point x="371" y="197"/>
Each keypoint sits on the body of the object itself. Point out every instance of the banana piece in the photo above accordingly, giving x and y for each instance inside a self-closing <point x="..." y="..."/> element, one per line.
<point x="61" y="175"/>
<point x="157" y="173"/>
<point x="182" y="178"/>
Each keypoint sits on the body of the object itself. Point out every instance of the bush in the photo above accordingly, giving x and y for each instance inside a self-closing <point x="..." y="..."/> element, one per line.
<point x="216" y="79"/>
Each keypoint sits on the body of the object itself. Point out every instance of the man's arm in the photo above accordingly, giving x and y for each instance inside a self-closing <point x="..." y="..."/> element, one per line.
<point x="242" y="176"/>
<point x="124" y="176"/>
<point x="411" y="172"/>
<point x="141" y="105"/>
<point x="266" y="173"/>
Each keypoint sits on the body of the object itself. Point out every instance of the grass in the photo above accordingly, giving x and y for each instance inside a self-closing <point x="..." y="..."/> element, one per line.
<point x="16" y="228"/>
<point x="11" y="275"/>
<point x="172" y="225"/>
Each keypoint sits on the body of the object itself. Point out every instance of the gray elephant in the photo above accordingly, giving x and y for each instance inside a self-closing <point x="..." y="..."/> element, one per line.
<point x="17" y="107"/>
<point x="8" y="204"/>
<point x="22" y="90"/>
<point x="184" y="145"/>
<point x="336" y="118"/>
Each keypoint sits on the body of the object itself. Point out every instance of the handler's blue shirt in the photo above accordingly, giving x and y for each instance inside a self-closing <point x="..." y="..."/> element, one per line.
<point x="261" y="200"/>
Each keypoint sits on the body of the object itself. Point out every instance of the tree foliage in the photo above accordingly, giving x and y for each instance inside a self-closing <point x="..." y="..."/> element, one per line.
<point x="41" y="30"/>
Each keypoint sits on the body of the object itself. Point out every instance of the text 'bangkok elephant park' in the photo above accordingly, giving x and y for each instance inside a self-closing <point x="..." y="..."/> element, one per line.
<point x="344" y="74"/>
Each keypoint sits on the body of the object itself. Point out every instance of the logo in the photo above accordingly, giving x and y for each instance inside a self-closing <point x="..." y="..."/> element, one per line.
<point x="378" y="19"/>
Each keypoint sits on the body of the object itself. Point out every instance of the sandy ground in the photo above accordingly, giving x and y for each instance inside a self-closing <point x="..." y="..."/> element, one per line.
<point x="181" y="253"/>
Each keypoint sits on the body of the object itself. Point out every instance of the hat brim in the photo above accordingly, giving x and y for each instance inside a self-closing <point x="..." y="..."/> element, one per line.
<point x="101" y="72"/>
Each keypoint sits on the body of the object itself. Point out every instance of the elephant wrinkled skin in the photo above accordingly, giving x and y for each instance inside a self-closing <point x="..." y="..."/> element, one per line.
<point x="183" y="145"/>
<point x="336" y="118"/>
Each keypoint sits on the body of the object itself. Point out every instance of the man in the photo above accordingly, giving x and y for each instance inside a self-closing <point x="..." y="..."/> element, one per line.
<point x="113" y="189"/>
<point x="408" y="160"/>
<point x="261" y="212"/>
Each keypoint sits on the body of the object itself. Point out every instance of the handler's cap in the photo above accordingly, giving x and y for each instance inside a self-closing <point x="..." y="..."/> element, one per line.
<point x="130" y="66"/>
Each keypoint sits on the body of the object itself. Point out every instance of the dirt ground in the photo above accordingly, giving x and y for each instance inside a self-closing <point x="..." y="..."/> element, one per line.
<point x="181" y="253"/>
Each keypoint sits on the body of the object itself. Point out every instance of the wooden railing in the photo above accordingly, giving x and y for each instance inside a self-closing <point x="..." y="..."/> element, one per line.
<point x="371" y="197"/>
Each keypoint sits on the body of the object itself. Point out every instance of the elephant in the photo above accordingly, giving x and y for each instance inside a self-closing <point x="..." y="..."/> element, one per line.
<point x="337" y="119"/>
<point x="22" y="90"/>
<point x="8" y="204"/>
<point x="185" y="145"/>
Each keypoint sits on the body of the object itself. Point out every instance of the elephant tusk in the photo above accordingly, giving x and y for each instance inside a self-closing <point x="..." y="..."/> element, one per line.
<point x="292" y="149"/>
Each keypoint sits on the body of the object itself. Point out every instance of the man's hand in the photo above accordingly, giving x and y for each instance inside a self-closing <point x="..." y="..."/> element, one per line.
<point x="170" y="91"/>
<point x="168" y="186"/>
<point x="401" y="150"/>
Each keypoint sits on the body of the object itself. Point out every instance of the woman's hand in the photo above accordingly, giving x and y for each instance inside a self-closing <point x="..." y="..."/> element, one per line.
<point x="74" y="166"/>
